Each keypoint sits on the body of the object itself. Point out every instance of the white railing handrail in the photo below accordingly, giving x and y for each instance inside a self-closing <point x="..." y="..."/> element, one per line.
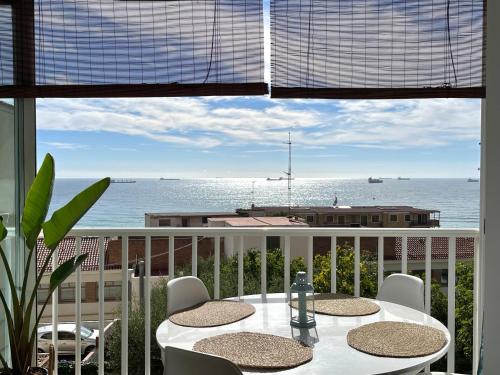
<point x="274" y="231"/>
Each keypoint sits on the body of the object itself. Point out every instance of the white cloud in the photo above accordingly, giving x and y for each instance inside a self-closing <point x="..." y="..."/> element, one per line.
<point x="206" y="124"/>
<point x="66" y="145"/>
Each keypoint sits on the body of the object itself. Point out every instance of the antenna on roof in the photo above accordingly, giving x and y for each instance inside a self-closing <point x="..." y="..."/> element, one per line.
<point x="289" y="174"/>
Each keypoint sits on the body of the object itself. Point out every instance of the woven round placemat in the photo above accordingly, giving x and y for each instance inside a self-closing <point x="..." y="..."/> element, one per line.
<point x="212" y="314"/>
<point x="340" y="305"/>
<point x="252" y="350"/>
<point x="397" y="339"/>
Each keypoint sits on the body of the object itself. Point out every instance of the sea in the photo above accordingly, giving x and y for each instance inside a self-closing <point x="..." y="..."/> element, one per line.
<point x="124" y="204"/>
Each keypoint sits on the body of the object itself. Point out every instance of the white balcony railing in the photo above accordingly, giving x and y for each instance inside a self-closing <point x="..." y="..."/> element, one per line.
<point x="288" y="235"/>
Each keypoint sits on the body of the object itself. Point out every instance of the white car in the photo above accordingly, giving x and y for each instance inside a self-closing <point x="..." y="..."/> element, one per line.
<point x="66" y="339"/>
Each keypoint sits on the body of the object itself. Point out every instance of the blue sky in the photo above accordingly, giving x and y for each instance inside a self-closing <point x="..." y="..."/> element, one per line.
<point x="243" y="137"/>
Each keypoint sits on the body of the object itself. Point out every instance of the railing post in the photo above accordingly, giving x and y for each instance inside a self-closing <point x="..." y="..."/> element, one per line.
<point x="100" y="349"/>
<point x="194" y="256"/>
<point x="404" y="254"/>
<point x="171" y="257"/>
<point x="310" y="258"/>
<point x="380" y="261"/>
<point x="428" y="280"/>
<point x="78" y="310"/>
<point x="263" y="265"/>
<point x="286" y="276"/>
<point x="216" y="267"/>
<point x="452" y="250"/>
<point x="357" y="260"/>
<point x="241" y="291"/>
<point x="428" y="274"/>
<point x="55" y="312"/>
<point x="333" y="264"/>
<point x="124" y="321"/>
<point x="147" y="307"/>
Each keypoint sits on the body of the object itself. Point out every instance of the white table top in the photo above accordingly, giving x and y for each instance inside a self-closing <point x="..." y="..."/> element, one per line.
<point x="332" y="354"/>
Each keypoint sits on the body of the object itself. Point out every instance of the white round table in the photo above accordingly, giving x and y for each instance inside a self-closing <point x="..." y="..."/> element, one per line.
<point x="332" y="354"/>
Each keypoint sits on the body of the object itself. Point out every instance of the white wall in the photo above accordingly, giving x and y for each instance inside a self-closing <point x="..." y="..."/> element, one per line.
<point x="490" y="197"/>
<point x="7" y="196"/>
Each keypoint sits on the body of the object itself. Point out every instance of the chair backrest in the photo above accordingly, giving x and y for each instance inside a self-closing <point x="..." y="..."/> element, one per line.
<point x="403" y="289"/>
<point x="185" y="292"/>
<point x="186" y="362"/>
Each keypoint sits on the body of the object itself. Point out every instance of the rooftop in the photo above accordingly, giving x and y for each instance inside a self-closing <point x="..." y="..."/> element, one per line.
<point x="67" y="250"/>
<point x="189" y="214"/>
<point x="258" y="221"/>
<point x="343" y="209"/>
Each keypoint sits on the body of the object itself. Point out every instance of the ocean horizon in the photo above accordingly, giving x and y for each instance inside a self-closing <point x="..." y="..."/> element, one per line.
<point x="124" y="205"/>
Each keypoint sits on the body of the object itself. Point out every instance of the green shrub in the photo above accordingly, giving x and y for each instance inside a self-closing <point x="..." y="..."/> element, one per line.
<point x="464" y="315"/>
<point x="136" y="335"/>
<point x="251" y="272"/>
<point x="345" y="272"/>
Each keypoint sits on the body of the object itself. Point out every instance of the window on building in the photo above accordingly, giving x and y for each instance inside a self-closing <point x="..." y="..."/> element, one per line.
<point x="273" y="242"/>
<point x="375" y="219"/>
<point x="444" y="277"/>
<point x="329" y="219"/>
<point x="204" y="220"/>
<point x="310" y="218"/>
<point x="67" y="292"/>
<point x="42" y="293"/>
<point x="407" y="218"/>
<point x="164" y="223"/>
<point x="394" y="218"/>
<point x="184" y="222"/>
<point x="112" y="290"/>
<point x="341" y="220"/>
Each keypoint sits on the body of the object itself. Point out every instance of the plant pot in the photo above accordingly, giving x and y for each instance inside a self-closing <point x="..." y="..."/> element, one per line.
<point x="38" y="371"/>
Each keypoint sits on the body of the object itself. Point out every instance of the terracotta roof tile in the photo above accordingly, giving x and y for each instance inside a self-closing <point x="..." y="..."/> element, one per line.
<point x="67" y="248"/>
<point x="439" y="248"/>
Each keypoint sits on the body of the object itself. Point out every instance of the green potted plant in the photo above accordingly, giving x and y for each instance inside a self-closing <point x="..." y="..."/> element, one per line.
<point x="21" y="315"/>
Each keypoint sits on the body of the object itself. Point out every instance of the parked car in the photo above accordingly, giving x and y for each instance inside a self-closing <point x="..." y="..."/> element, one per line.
<point x="66" y="339"/>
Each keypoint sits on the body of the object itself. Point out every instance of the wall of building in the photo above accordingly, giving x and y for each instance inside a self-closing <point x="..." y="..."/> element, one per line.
<point x="135" y="283"/>
<point x="399" y="223"/>
<point x="159" y="251"/>
<point x="90" y="310"/>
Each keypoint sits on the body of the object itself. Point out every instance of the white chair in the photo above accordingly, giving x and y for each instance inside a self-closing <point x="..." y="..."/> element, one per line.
<point x="403" y="289"/>
<point x="186" y="362"/>
<point x="185" y="292"/>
